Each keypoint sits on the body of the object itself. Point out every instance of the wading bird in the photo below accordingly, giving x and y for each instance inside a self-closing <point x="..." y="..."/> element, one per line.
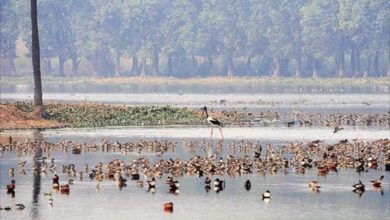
<point x="212" y="121"/>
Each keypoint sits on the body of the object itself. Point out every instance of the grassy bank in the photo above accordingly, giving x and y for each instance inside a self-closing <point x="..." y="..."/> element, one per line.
<point x="99" y="115"/>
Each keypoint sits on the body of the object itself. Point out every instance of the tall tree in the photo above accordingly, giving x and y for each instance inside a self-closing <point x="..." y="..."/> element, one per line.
<point x="38" y="110"/>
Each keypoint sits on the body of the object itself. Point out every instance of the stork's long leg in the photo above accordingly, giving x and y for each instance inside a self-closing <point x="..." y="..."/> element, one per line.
<point x="211" y="134"/>
<point x="220" y="129"/>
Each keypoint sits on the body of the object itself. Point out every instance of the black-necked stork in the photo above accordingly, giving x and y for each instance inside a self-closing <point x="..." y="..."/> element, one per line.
<point x="212" y="121"/>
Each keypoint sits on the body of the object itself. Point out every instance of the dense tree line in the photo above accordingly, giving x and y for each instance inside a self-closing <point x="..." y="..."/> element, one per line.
<point x="187" y="38"/>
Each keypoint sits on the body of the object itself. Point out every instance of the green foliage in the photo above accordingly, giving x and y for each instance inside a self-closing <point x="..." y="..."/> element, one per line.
<point x="98" y="115"/>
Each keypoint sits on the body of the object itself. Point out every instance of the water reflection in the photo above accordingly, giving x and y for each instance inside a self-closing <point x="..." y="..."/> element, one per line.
<point x="37" y="135"/>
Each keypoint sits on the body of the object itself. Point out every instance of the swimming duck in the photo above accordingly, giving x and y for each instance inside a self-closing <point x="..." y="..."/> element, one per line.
<point x="19" y="206"/>
<point x="266" y="195"/>
<point x="48" y="194"/>
<point x="64" y="189"/>
<point x="56" y="180"/>
<point x="174" y="187"/>
<point x="218" y="183"/>
<point x="314" y="187"/>
<point x="139" y="183"/>
<point x="359" y="186"/>
<point x="378" y="182"/>
<point x="207" y="181"/>
<point x="337" y="129"/>
<point x="121" y="182"/>
<point x="168" y="207"/>
<point x="11" y="187"/>
<point x="248" y="185"/>
<point x="135" y="176"/>
<point x="11" y="172"/>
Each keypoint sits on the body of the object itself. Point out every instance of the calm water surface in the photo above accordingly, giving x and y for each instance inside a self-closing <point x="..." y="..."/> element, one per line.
<point x="280" y="101"/>
<point x="291" y="197"/>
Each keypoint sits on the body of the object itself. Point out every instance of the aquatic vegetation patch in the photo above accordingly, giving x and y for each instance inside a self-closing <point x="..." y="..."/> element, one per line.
<point x="99" y="115"/>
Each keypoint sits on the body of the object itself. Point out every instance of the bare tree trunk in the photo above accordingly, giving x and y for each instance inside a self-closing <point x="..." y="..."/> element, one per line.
<point x="38" y="110"/>
<point x="143" y="67"/>
<point x="11" y="65"/>
<point x="276" y="67"/>
<point x="298" y="69"/>
<point x="367" y="70"/>
<point x="75" y="65"/>
<point x="170" y="65"/>
<point x="61" y="59"/>
<point x="358" y="66"/>
<point x="314" y="68"/>
<point x="249" y="65"/>
<point x="340" y="63"/>
<point x="118" y="64"/>
<point x="375" y="66"/>
<point x="388" y="66"/>
<point x="230" y="66"/>
<point x="155" y="62"/>
<point x="194" y="61"/>
<point x="134" y="68"/>
<point x="353" y="64"/>
<point x="209" y="64"/>
<point x="48" y="66"/>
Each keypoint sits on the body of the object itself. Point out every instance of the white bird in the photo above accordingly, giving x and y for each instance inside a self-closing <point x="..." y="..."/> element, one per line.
<point x="213" y="122"/>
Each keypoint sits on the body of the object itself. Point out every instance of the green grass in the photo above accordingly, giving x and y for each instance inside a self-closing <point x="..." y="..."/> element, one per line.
<point x="99" y="115"/>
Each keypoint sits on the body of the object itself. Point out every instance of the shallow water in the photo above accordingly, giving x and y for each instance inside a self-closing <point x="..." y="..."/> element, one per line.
<point x="291" y="198"/>
<point x="323" y="102"/>
<point x="229" y="133"/>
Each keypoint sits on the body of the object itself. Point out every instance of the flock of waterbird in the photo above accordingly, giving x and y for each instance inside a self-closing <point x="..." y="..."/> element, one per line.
<point x="242" y="157"/>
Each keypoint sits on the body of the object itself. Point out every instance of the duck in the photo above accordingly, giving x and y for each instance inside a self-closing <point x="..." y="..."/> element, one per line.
<point x="19" y="206"/>
<point x="248" y="185"/>
<point x="266" y="194"/>
<point x="121" y="182"/>
<point x="7" y="208"/>
<point x="11" y="172"/>
<point x="152" y="184"/>
<point x="56" y="180"/>
<point x="207" y="181"/>
<point x="168" y="207"/>
<point x="174" y="187"/>
<point x="11" y="187"/>
<point x="64" y="189"/>
<point x="378" y="182"/>
<point x="337" y="129"/>
<point x="48" y="194"/>
<point x="218" y="183"/>
<point x="139" y="183"/>
<point x="314" y="187"/>
<point x="359" y="186"/>
<point x="135" y="176"/>
<point x="50" y="202"/>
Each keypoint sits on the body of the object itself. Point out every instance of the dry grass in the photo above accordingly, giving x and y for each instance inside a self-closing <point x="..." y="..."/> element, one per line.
<point x="13" y="118"/>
